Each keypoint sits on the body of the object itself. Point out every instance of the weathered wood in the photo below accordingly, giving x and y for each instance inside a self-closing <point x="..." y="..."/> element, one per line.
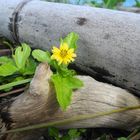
<point x="4" y="52"/>
<point x="38" y="104"/>
<point x="109" y="40"/>
<point x="129" y="9"/>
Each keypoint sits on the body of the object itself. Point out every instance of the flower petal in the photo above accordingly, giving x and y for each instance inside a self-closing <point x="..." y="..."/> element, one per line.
<point x="64" y="46"/>
<point x="74" y="55"/>
<point x="64" y="54"/>
<point x="71" y="50"/>
<point x="55" y="50"/>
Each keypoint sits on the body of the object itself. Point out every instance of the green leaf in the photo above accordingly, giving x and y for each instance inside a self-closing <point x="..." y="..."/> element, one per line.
<point x="65" y="137"/>
<point x="82" y="130"/>
<point x="74" y="82"/>
<point x="7" y="69"/>
<point x="41" y="56"/>
<point x="73" y="133"/>
<point x="63" y="91"/>
<point x="5" y="59"/>
<point x="122" y="138"/>
<point x="53" y="132"/>
<point x="21" y="55"/>
<point x="9" y="85"/>
<point x="63" y="87"/>
<point x="111" y="4"/>
<point x="137" y="3"/>
<point x="66" y="72"/>
<point x="103" y="137"/>
<point x="1" y="79"/>
<point x="30" y="67"/>
<point x="8" y="89"/>
<point x="71" y="40"/>
<point x="7" y="66"/>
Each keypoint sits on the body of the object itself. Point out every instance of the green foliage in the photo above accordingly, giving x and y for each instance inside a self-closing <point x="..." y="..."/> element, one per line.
<point x="11" y="84"/>
<point x="137" y="3"/>
<point x="30" y="67"/>
<point x="109" y="4"/>
<point x="74" y="133"/>
<point x="53" y="132"/>
<point x="63" y="78"/>
<point x="103" y="137"/>
<point x="71" y="134"/>
<point x="94" y="3"/>
<point x="7" y="66"/>
<point x="63" y="91"/>
<point x="64" y="87"/>
<point x="41" y="56"/>
<point x="22" y="65"/>
<point x="19" y="65"/>
<point x="122" y="138"/>
<point x="21" y="55"/>
<point x="71" y="40"/>
<point x="7" y="69"/>
<point x="4" y="59"/>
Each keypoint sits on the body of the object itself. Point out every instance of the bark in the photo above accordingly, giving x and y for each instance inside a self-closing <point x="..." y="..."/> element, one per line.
<point x="38" y="104"/>
<point x="109" y="40"/>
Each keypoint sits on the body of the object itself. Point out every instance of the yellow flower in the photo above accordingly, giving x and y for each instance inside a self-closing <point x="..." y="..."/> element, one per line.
<point x="64" y="54"/>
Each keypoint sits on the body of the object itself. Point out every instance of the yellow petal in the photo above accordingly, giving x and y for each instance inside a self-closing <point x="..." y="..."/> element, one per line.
<point x="71" y="50"/>
<point x="72" y="59"/>
<point x="55" y="50"/>
<point x="58" y="54"/>
<point x="66" y="61"/>
<point x="74" y="55"/>
<point x="64" y="46"/>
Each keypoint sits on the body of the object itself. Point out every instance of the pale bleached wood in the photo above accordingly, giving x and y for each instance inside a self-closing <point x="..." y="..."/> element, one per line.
<point x="38" y="104"/>
<point x="129" y="9"/>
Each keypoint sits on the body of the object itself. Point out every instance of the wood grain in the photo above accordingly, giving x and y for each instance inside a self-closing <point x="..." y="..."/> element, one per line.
<point x="38" y="104"/>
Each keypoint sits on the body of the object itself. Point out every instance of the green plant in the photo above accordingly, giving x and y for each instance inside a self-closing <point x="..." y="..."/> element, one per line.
<point x="109" y="4"/>
<point x="71" y="134"/>
<point x="18" y="67"/>
<point x="64" y="79"/>
<point x="95" y="3"/>
<point x="137" y="3"/>
<point x="122" y="138"/>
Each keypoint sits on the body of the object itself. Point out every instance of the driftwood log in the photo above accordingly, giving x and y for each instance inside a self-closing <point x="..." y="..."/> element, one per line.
<point x="38" y="104"/>
<point x="109" y="45"/>
<point x="129" y="9"/>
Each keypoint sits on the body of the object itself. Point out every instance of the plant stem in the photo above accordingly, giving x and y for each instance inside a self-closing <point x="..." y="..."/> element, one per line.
<point x="12" y="92"/>
<point x="73" y="119"/>
<point x="12" y="84"/>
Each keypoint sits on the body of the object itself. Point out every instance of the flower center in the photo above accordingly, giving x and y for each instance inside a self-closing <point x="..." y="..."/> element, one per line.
<point x="63" y="53"/>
